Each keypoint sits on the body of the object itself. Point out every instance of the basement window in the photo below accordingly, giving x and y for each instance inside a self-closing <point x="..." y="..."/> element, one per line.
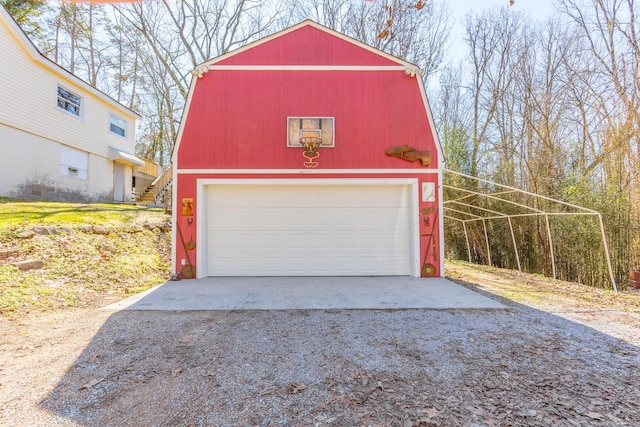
<point x="74" y="163"/>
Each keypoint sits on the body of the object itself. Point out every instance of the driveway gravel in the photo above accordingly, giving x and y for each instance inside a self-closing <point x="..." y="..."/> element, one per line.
<point x="517" y="366"/>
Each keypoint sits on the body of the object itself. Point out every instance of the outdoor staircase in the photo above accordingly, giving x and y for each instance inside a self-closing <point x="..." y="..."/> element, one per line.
<point x="158" y="193"/>
<point x="148" y="197"/>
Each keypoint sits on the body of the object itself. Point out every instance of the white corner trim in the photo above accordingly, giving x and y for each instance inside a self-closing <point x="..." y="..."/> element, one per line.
<point x="183" y="120"/>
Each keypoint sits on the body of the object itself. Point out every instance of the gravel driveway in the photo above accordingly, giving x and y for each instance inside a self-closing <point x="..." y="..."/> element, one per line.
<point x="516" y="366"/>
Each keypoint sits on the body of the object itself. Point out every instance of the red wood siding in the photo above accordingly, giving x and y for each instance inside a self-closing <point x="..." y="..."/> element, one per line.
<point x="307" y="46"/>
<point x="187" y="188"/>
<point x="238" y="119"/>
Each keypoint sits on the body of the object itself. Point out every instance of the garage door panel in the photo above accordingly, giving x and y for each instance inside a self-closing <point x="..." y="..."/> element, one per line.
<point x="301" y="218"/>
<point x="315" y="230"/>
<point x="308" y="241"/>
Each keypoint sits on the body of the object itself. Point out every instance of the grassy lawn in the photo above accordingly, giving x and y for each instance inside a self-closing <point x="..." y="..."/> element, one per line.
<point x="14" y="212"/>
<point x="81" y="268"/>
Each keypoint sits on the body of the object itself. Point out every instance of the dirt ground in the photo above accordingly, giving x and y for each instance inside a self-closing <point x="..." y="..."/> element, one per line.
<point x="558" y="355"/>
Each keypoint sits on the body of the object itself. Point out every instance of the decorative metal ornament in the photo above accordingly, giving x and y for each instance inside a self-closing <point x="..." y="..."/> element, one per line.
<point x="410" y="154"/>
<point x="311" y="145"/>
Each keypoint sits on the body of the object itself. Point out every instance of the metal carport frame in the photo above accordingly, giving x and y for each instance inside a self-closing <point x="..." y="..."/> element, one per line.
<point x="488" y="214"/>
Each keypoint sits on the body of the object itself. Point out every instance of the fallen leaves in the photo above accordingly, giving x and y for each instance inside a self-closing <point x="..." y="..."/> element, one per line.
<point x="594" y="415"/>
<point x="295" y="388"/>
<point x="555" y="392"/>
<point x="494" y="368"/>
<point x="91" y="384"/>
<point x="81" y="268"/>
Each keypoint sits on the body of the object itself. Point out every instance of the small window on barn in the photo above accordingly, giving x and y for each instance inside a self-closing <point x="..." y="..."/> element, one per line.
<point x="74" y="163"/>
<point x="305" y="127"/>
<point x="118" y="125"/>
<point x="69" y="101"/>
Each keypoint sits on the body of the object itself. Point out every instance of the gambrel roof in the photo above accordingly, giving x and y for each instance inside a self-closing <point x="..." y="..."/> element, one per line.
<point x="291" y="47"/>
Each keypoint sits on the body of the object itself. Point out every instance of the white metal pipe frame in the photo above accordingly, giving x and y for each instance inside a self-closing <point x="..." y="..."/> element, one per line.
<point x="463" y="202"/>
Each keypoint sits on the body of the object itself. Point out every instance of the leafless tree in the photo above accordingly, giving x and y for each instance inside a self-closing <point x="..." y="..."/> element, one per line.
<point x="497" y="47"/>
<point x="419" y="36"/>
<point x="609" y="30"/>
<point x="170" y="38"/>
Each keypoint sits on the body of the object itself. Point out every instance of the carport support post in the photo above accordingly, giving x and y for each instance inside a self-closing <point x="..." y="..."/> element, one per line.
<point x="486" y="239"/>
<point x="515" y="247"/>
<point x="553" y="258"/>
<point x="466" y="236"/>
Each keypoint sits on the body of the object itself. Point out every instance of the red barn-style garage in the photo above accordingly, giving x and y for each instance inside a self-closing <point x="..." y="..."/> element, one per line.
<point x="307" y="153"/>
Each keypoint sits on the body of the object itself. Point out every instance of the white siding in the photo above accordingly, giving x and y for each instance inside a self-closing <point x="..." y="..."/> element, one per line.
<point x="32" y="128"/>
<point x="25" y="155"/>
<point x="29" y="96"/>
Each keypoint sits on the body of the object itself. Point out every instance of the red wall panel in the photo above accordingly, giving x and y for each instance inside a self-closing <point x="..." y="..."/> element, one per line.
<point x="307" y="46"/>
<point x="237" y="119"/>
<point x="187" y="187"/>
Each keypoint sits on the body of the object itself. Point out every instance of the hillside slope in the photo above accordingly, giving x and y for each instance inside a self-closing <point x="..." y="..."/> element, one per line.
<point x="56" y="255"/>
<point x="615" y="314"/>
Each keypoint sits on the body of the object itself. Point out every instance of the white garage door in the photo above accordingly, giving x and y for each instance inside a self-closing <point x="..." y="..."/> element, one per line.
<point x="308" y="230"/>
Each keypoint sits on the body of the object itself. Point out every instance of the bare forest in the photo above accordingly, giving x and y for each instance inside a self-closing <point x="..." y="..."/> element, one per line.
<point x="551" y="107"/>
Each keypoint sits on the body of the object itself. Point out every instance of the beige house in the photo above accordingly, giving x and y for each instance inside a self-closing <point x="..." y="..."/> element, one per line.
<point x="60" y="138"/>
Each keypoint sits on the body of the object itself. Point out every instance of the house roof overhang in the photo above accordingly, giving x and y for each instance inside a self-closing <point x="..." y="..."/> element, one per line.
<point x="120" y="156"/>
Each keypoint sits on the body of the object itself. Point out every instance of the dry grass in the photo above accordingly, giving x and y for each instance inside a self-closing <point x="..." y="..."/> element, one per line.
<point x="80" y="268"/>
<point x="539" y="291"/>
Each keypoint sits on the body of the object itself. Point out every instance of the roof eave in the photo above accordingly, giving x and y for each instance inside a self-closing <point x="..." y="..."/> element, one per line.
<point x="46" y="62"/>
<point x="307" y="22"/>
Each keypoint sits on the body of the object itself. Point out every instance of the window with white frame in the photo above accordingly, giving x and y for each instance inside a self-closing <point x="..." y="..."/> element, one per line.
<point x="69" y="101"/>
<point x="74" y="163"/>
<point x="117" y="125"/>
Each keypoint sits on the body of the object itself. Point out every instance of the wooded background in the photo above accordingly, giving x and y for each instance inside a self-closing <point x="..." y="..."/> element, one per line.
<point x="551" y="107"/>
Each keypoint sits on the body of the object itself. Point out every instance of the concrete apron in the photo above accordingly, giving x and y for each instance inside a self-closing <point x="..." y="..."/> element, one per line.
<point x="294" y="293"/>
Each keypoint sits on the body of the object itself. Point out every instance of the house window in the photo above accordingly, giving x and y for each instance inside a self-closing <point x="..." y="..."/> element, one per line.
<point x="304" y="127"/>
<point x="69" y="101"/>
<point x="73" y="163"/>
<point x="117" y="125"/>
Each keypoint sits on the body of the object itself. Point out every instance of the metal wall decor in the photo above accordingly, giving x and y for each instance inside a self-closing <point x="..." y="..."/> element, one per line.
<point x="410" y="154"/>
<point x="311" y="145"/>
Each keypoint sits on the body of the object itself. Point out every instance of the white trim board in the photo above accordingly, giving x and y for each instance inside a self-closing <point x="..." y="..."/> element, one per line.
<point x="304" y="171"/>
<point x="308" y="68"/>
